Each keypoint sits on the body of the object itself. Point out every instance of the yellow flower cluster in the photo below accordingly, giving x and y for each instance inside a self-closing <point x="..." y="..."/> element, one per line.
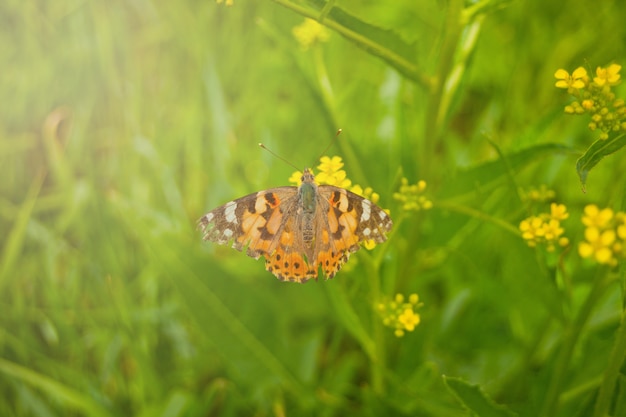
<point x="540" y="195"/>
<point x="399" y="314"/>
<point x="412" y="197"/>
<point x="595" y="97"/>
<point x="605" y="235"/>
<point x="331" y="172"/>
<point x="309" y="33"/>
<point x="546" y="228"/>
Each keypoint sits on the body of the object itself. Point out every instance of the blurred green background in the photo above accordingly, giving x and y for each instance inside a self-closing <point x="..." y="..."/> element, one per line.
<point x="122" y="122"/>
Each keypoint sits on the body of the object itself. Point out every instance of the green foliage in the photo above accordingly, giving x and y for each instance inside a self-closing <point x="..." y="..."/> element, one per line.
<point x="596" y="152"/>
<point x="123" y="122"/>
<point x="475" y="400"/>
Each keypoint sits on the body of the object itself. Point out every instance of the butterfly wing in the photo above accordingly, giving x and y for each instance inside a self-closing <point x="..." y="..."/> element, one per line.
<point x="271" y="223"/>
<point x="343" y="221"/>
<point x="254" y="222"/>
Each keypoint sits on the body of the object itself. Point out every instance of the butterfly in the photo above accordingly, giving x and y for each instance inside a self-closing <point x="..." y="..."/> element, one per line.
<point x="298" y="229"/>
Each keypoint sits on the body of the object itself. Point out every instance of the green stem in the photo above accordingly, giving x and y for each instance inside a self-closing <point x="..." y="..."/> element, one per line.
<point x="378" y="366"/>
<point x="327" y="8"/>
<point x="323" y="82"/>
<point x="325" y="89"/>
<point x="462" y="30"/>
<point x="14" y="240"/>
<point x="616" y="359"/>
<point x="463" y="51"/>
<point x="450" y="35"/>
<point x="477" y="214"/>
<point x="570" y="338"/>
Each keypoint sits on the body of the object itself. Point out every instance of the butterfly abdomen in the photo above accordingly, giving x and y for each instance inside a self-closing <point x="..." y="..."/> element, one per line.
<point x="307" y="194"/>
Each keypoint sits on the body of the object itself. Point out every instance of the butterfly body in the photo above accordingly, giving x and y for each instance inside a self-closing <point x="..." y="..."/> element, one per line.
<point x="298" y="229"/>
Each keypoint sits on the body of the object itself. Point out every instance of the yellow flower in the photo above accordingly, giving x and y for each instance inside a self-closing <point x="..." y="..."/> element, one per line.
<point x="546" y="228"/>
<point x="400" y="314"/>
<point x="587" y="104"/>
<point x="598" y="245"/>
<point x="531" y="228"/>
<point x="296" y="178"/>
<point x="409" y="319"/>
<point x="310" y="32"/>
<point x="226" y="2"/>
<point x="369" y="244"/>
<point x="331" y="172"/>
<point x="328" y="164"/>
<point x="540" y="194"/>
<point x="594" y="217"/>
<point x="337" y="179"/>
<point x="558" y="211"/>
<point x="595" y="98"/>
<point x="411" y="196"/>
<point x="552" y="230"/>
<point x="608" y="76"/>
<point x="605" y="235"/>
<point x="577" y="80"/>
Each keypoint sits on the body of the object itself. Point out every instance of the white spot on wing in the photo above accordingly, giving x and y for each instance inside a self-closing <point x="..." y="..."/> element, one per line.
<point x="367" y="209"/>
<point x="366" y="231"/>
<point x="209" y="217"/>
<point x="227" y="233"/>
<point x="229" y="212"/>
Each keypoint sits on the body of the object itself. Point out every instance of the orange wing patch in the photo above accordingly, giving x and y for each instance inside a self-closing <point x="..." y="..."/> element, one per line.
<point x="343" y="221"/>
<point x="289" y="266"/>
<point x="287" y="260"/>
<point x="260" y="222"/>
<point x="332" y="261"/>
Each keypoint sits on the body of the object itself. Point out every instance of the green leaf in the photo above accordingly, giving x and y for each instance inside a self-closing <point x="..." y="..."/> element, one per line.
<point x="383" y="43"/>
<point x="619" y="407"/>
<point x="475" y="400"/>
<point x="351" y="321"/>
<point x="70" y="397"/>
<point x="14" y="240"/>
<point x="250" y="354"/>
<point x="598" y="150"/>
<point x="231" y="336"/>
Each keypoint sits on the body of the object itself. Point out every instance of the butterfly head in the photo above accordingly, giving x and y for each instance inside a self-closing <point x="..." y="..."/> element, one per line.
<point x="307" y="176"/>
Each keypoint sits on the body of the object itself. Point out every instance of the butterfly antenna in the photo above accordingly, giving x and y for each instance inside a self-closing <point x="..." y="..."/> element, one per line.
<point x="331" y="143"/>
<point x="278" y="156"/>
